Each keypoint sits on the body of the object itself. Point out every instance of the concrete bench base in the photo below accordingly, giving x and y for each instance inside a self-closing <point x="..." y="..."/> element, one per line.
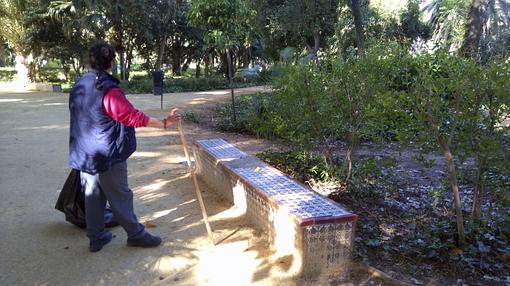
<point x="284" y="209"/>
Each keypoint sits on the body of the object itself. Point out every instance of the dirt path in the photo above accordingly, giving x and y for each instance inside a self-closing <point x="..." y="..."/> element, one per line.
<point x="39" y="248"/>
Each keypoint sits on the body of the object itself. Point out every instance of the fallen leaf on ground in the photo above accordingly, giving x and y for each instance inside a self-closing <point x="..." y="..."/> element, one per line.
<point x="456" y="251"/>
<point x="149" y="225"/>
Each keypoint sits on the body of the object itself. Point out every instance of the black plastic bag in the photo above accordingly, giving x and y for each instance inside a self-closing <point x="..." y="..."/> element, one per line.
<point x="71" y="202"/>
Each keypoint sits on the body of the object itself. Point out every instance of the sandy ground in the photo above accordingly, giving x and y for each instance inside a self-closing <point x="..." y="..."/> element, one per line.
<point x="37" y="247"/>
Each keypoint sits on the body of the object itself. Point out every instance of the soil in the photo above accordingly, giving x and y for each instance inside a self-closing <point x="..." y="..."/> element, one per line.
<point x="406" y="226"/>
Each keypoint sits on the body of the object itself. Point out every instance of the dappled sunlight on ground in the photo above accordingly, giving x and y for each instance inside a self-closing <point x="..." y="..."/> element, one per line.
<point x="171" y="263"/>
<point x="61" y="127"/>
<point x="228" y="262"/>
<point x="197" y="101"/>
<point x="157" y="215"/>
<point x="145" y="155"/>
<point x="215" y="92"/>
<point x="153" y="132"/>
<point x="4" y="100"/>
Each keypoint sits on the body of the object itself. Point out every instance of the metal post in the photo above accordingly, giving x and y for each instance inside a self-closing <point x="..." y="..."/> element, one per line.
<point x="231" y="82"/>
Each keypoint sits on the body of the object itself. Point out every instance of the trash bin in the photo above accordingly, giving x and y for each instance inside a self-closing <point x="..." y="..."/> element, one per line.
<point x="157" y="78"/>
<point x="56" y="88"/>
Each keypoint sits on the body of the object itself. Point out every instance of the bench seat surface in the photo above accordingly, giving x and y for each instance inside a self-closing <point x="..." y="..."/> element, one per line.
<point x="304" y="205"/>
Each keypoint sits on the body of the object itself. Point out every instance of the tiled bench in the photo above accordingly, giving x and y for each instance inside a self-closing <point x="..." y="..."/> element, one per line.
<point x="311" y="231"/>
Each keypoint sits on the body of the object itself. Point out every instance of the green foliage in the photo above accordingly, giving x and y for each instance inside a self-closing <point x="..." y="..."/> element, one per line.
<point x="7" y="75"/>
<point x="433" y="102"/>
<point x="254" y="115"/>
<point x="411" y="25"/>
<point x="299" y="164"/>
<point x="188" y="84"/>
<point x="12" y="13"/>
<point x="191" y="117"/>
<point x="224" y="20"/>
<point x="294" y="23"/>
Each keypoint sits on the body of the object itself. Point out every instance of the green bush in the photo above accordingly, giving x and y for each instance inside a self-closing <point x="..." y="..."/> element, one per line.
<point x="300" y="165"/>
<point x="140" y="84"/>
<point x="253" y="114"/>
<point x="50" y="74"/>
<point x="7" y="74"/>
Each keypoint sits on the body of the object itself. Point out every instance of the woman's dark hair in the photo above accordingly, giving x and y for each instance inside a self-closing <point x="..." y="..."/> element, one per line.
<point x="101" y="55"/>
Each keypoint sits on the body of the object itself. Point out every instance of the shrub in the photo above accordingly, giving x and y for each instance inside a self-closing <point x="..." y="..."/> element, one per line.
<point x="299" y="164"/>
<point x="253" y="115"/>
<point x="141" y="83"/>
<point x="50" y="74"/>
<point x="7" y="74"/>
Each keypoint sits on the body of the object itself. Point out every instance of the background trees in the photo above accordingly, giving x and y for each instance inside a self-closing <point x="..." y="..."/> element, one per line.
<point x="150" y="34"/>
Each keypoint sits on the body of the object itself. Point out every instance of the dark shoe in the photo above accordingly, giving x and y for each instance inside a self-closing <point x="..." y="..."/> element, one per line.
<point x="97" y="245"/>
<point x="147" y="240"/>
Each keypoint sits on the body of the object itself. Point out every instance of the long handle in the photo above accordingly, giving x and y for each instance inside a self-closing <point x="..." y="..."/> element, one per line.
<point x="195" y="182"/>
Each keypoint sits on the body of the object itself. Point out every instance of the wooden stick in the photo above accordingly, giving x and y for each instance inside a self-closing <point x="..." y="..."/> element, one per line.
<point x="195" y="182"/>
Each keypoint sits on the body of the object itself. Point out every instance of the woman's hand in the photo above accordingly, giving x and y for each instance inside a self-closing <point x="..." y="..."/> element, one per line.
<point x="173" y="116"/>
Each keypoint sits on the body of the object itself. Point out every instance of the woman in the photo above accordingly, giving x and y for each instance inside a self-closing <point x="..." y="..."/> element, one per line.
<point x="102" y="137"/>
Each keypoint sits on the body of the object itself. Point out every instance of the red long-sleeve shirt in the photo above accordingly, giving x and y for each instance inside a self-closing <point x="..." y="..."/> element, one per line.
<point x="118" y="107"/>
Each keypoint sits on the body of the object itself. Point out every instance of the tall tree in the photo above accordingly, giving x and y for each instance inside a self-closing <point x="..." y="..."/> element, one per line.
<point x="226" y="23"/>
<point x="358" y="23"/>
<point x="447" y="18"/>
<point x="12" y="13"/>
<point x="296" y="23"/>
<point x="55" y="30"/>
<point x="477" y="18"/>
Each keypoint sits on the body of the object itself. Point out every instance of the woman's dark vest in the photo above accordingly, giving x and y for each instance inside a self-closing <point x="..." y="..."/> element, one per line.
<point x="96" y="141"/>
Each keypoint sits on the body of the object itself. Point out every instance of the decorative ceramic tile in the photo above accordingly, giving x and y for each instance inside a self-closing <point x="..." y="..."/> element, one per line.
<point x="328" y="242"/>
<point x="221" y="149"/>
<point x="320" y="245"/>
<point x="300" y="201"/>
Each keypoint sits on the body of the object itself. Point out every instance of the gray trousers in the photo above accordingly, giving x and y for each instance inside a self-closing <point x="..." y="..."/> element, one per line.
<point x="111" y="185"/>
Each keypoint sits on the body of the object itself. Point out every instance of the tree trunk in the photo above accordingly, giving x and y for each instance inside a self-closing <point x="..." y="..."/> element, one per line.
<point x="477" y="18"/>
<point x="224" y="64"/>
<point x="206" y="65"/>
<point x="186" y="64"/>
<point x="247" y="57"/>
<point x="120" y="51"/>
<point x="455" y="188"/>
<point x="358" y="23"/>
<point x="348" y="162"/>
<point x="176" y="56"/>
<point x="129" y="60"/>
<point x="479" y="191"/>
<point x="161" y="52"/>
<point x="197" y="70"/>
<point x="313" y="51"/>
<point x="22" y="72"/>
<point x="452" y="173"/>
<point x="66" y="70"/>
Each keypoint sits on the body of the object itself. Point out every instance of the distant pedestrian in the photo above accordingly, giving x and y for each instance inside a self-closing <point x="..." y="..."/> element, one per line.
<point x="102" y="137"/>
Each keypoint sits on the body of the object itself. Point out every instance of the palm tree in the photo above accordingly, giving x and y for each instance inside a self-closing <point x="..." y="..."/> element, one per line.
<point x="482" y="25"/>
<point x="12" y="13"/>
<point x="447" y="18"/>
